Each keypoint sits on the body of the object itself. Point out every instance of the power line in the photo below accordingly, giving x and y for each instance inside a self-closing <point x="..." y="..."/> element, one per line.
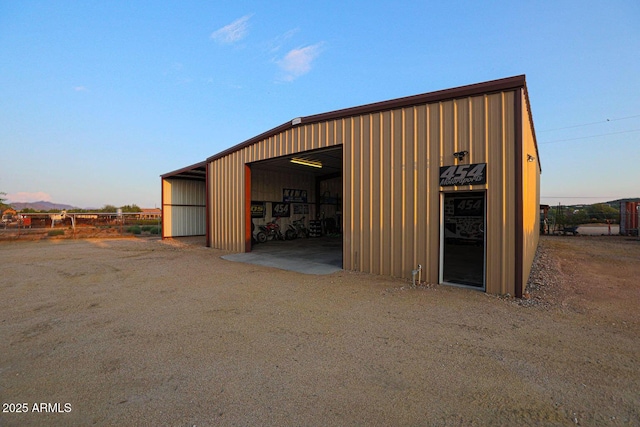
<point x="590" y="124"/>
<point x="576" y="197"/>
<point x="590" y="136"/>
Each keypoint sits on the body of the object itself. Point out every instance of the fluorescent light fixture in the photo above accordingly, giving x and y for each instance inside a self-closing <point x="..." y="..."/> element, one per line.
<point x="305" y="162"/>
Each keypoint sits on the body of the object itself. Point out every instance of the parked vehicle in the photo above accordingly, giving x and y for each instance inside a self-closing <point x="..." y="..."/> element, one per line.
<point x="269" y="231"/>
<point x="296" y="230"/>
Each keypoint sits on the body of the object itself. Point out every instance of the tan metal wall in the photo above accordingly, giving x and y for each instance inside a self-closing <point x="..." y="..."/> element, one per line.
<point x="501" y="191"/>
<point x="183" y="207"/>
<point x="391" y="191"/>
<point x="530" y="191"/>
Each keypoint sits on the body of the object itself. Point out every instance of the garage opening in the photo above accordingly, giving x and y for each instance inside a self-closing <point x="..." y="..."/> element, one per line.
<point x="184" y="206"/>
<point x="296" y="208"/>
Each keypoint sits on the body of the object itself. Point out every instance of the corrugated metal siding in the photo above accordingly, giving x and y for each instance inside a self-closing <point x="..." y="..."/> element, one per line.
<point x="391" y="184"/>
<point x="530" y="191"/>
<point x="500" y="232"/>
<point x="227" y="207"/>
<point x="184" y="207"/>
<point x="391" y="192"/>
<point x="188" y="221"/>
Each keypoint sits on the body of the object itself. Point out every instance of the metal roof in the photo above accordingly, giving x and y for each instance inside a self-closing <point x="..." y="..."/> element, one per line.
<point x="431" y="97"/>
<point x="196" y="172"/>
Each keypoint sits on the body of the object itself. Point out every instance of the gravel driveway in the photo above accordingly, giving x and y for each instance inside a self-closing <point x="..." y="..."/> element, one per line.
<point x="147" y="332"/>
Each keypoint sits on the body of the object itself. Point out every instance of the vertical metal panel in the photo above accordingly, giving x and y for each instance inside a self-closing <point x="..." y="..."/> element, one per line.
<point x="375" y="204"/>
<point x="186" y="192"/>
<point x="351" y="213"/>
<point x="362" y="125"/>
<point x="478" y="132"/>
<point x="403" y="159"/>
<point x="184" y="205"/>
<point x="166" y="208"/>
<point x="510" y="140"/>
<point x="385" y="195"/>
<point x="530" y="191"/>
<point x="500" y="232"/>
<point x="420" y="214"/>
<point x="431" y="189"/>
<point x="188" y="221"/>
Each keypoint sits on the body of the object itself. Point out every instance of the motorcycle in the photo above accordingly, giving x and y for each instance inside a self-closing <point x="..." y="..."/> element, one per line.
<point x="269" y="231"/>
<point x="296" y="229"/>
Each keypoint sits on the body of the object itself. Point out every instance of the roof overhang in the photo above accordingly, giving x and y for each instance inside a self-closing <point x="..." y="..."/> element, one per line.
<point x="196" y="172"/>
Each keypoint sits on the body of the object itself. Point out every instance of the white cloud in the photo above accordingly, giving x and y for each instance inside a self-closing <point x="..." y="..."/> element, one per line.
<point x="298" y="61"/>
<point x="80" y="89"/>
<point x="24" y="197"/>
<point x="274" y="45"/>
<point x="233" y="32"/>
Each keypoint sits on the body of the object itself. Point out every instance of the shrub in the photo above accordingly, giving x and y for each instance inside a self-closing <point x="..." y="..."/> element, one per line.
<point x="55" y="233"/>
<point x="154" y="230"/>
<point x="134" y="230"/>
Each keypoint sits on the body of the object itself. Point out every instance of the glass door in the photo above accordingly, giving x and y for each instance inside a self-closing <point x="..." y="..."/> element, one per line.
<point x="462" y="240"/>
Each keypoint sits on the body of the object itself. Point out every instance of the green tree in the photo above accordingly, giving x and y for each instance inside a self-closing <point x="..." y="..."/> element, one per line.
<point x="109" y="208"/>
<point x="131" y="208"/>
<point x="601" y="212"/>
<point x="3" y="201"/>
<point x="577" y="217"/>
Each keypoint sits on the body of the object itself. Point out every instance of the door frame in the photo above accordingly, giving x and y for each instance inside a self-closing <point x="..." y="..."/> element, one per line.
<point x="484" y="243"/>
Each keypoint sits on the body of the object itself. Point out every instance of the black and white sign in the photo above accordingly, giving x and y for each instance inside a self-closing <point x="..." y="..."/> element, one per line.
<point x="474" y="174"/>
<point x="280" y="209"/>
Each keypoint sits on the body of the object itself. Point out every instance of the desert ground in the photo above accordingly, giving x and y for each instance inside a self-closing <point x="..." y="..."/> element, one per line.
<point x="141" y="331"/>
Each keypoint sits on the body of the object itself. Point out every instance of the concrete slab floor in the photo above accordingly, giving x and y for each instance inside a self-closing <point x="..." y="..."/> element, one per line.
<point x="322" y="255"/>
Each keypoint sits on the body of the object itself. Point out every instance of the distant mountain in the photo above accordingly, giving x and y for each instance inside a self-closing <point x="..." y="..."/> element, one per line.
<point x="40" y="206"/>
<point x="612" y="203"/>
<point x="617" y="202"/>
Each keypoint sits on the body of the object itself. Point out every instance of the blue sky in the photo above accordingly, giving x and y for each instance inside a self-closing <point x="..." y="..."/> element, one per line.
<point x="97" y="99"/>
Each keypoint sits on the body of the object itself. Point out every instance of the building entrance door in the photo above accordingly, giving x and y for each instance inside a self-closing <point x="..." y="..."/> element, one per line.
<point x="462" y="239"/>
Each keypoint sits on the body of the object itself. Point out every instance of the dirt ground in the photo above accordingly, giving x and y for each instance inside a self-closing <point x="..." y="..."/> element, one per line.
<point x="149" y="332"/>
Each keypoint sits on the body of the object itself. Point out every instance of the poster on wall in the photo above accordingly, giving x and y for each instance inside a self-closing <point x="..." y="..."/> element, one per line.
<point x="300" y="209"/>
<point x="257" y="209"/>
<point x="290" y="195"/>
<point x="473" y="174"/>
<point x="279" y="210"/>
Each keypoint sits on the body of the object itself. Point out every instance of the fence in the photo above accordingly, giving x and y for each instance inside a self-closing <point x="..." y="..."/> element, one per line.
<point x="83" y="223"/>
<point x="613" y="218"/>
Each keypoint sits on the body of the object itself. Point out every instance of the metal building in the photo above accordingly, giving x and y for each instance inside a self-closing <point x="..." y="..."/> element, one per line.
<point x="449" y="180"/>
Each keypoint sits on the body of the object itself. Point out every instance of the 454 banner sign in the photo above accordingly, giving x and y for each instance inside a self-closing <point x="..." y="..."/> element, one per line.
<point x="472" y="174"/>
